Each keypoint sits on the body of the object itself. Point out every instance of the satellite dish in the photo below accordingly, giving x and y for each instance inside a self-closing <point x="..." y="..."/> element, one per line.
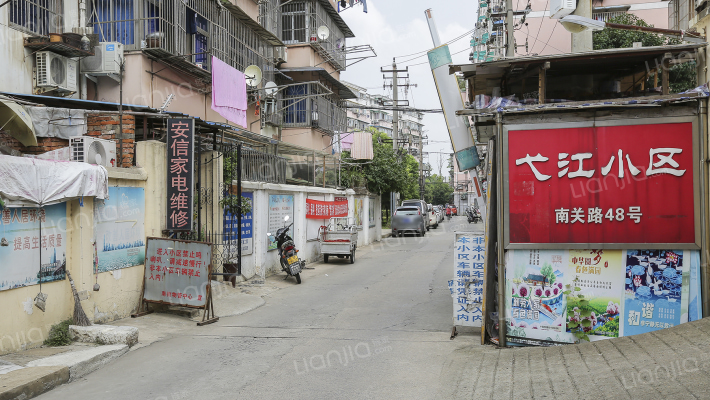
<point x="270" y="88"/>
<point x="253" y="75"/>
<point x="323" y="32"/>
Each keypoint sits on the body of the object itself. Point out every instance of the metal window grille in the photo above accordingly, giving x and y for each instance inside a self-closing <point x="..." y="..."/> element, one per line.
<point x="165" y="28"/>
<point x="606" y="15"/>
<point x="39" y="17"/>
<point x="270" y="16"/>
<point x="325" y="113"/>
<point x="300" y="21"/>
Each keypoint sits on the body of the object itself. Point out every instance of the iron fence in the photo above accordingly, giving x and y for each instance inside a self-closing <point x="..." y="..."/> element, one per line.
<point x="38" y="17"/>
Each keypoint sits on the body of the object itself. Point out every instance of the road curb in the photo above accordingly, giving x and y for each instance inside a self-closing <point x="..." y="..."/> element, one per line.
<point x="84" y="362"/>
<point x="27" y="383"/>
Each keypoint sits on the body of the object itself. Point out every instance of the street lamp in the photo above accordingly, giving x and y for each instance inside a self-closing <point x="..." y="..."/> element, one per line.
<point x="577" y="24"/>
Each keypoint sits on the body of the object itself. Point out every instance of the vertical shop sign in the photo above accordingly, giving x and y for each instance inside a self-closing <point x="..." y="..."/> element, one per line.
<point x="181" y="157"/>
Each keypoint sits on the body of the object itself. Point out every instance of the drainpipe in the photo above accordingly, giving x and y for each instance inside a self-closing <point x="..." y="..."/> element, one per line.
<point x="704" y="151"/>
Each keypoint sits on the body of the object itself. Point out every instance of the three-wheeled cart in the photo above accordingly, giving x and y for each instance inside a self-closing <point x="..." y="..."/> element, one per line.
<point x="338" y="238"/>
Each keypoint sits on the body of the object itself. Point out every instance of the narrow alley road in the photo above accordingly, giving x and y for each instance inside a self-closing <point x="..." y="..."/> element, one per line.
<point x="378" y="328"/>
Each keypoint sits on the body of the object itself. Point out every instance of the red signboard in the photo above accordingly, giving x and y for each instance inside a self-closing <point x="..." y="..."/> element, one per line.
<point x="317" y="209"/>
<point x="631" y="184"/>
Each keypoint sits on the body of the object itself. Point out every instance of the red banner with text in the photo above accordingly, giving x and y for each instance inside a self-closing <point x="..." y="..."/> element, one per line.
<point x="609" y="184"/>
<point x="317" y="209"/>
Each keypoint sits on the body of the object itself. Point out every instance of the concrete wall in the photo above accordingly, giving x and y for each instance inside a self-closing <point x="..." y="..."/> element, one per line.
<point x="262" y="262"/>
<point x="22" y="325"/>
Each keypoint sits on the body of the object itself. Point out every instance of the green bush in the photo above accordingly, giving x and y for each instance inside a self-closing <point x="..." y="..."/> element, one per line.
<point x="59" y="334"/>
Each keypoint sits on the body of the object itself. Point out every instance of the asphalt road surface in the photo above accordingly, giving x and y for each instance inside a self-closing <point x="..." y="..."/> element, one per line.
<point x="376" y="329"/>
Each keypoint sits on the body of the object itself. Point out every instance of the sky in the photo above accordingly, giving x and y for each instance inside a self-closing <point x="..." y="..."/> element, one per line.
<point x="397" y="28"/>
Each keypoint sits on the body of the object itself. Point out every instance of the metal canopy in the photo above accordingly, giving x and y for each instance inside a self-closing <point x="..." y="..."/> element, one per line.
<point x="342" y="90"/>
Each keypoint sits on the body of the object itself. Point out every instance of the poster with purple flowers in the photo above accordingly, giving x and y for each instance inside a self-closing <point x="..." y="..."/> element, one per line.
<point x="538" y="306"/>
<point x="653" y="290"/>
<point x="594" y="302"/>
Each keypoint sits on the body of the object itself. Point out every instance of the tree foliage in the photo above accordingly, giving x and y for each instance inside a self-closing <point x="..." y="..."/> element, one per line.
<point x="437" y="190"/>
<point x="681" y="77"/>
<point x="386" y="172"/>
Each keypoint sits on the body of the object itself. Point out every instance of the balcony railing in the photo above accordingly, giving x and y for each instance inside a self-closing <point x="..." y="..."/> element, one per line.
<point x="182" y="33"/>
<point x="300" y="22"/>
<point x="308" y="109"/>
<point x="263" y="167"/>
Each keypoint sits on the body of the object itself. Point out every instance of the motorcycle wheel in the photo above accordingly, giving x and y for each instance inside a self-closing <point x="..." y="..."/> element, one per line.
<point x="325" y="258"/>
<point x="298" y="278"/>
<point x="352" y="257"/>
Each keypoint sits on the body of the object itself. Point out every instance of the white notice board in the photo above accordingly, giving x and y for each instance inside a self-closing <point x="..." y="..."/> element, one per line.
<point x="467" y="286"/>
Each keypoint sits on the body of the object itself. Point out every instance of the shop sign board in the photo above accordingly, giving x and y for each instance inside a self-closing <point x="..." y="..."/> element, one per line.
<point x="628" y="184"/>
<point x="467" y="286"/>
<point x="181" y="173"/>
<point x="177" y="272"/>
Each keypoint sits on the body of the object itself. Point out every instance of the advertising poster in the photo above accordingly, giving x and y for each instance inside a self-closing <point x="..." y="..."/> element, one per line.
<point x="653" y="290"/>
<point x="538" y="307"/>
<point x="358" y="212"/>
<point x="20" y="259"/>
<point x="371" y="212"/>
<point x="177" y="272"/>
<point x="467" y="286"/>
<point x="596" y="273"/>
<point x="280" y="205"/>
<point x="120" y="229"/>
<point x="695" y="308"/>
<point x="230" y="227"/>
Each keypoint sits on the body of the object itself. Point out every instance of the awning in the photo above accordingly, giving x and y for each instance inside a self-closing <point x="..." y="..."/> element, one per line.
<point x="15" y="120"/>
<point x="342" y="90"/>
<point x="30" y="182"/>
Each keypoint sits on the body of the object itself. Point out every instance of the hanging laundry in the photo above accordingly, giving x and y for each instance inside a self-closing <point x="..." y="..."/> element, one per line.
<point x="362" y="146"/>
<point x="229" y="92"/>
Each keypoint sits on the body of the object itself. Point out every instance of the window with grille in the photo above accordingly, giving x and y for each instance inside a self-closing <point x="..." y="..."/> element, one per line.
<point x="39" y="17"/>
<point x="295" y="109"/>
<point x="293" y="23"/>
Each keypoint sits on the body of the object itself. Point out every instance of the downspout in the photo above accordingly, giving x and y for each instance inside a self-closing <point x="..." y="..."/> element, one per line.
<point x="502" y="323"/>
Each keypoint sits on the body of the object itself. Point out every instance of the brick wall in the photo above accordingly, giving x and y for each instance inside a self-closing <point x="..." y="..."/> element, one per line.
<point x="43" y="144"/>
<point x="105" y="126"/>
<point x="102" y="126"/>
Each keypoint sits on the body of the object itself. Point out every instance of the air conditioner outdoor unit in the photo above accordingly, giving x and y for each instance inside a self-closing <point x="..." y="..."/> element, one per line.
<point x="93" y="151"/>
<point x="106" y="59"/>
<point x="55" y="72"/>
<point x="562" y="8"/>
<point x="281" y="54"/>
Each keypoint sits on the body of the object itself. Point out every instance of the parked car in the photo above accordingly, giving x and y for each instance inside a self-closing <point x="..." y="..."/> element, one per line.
<point x="408" y="219"/>
<point x="439" y="213"/>
<point x="422" y="206"/>
<point x="433" y="219"/>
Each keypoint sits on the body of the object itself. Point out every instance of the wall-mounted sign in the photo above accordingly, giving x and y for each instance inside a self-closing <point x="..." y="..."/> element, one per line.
<point x="280" y="205"/>
<point x="181" y="161"/>
<point x="20" y="259"/>
<point x="177" y="272"/>
<point x="602" y="186"/>
<point x="317" y="209"/>
<point x="230" y="227"/>
<point x="120" y="228"/>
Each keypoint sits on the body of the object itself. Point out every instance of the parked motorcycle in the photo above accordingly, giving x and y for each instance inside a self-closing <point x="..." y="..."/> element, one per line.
<point x="288" y="254"/>
<point x="470" y="216"/>
<point x="476" y="216"/>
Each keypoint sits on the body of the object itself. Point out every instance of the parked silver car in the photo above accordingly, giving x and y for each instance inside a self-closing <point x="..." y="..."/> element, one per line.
<point x="408" y="219"/>
<point x="422" y="206"/>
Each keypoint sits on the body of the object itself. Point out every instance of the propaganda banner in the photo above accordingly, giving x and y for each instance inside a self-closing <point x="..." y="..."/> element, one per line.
<point x="317" y="209"/>
<point x="604" y="186"/>
<point x="177" y="272"/>
<point x="181" y="174"/>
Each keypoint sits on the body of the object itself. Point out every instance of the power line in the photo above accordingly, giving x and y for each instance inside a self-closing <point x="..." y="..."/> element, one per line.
<point x="426" y="51"/>
<point x="539" y="28"/>
<point x="427" y="62"/>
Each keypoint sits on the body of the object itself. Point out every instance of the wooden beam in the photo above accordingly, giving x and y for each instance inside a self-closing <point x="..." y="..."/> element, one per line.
<point x="664" y="71"/>
<point x="542" y="85"/>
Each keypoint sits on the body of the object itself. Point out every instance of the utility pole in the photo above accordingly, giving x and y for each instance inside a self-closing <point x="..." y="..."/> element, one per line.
<point x="422" y="179"/>
<point x="395" y="117"/>
<point x="582" y="41"/>
<point x="510" y="28"/>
